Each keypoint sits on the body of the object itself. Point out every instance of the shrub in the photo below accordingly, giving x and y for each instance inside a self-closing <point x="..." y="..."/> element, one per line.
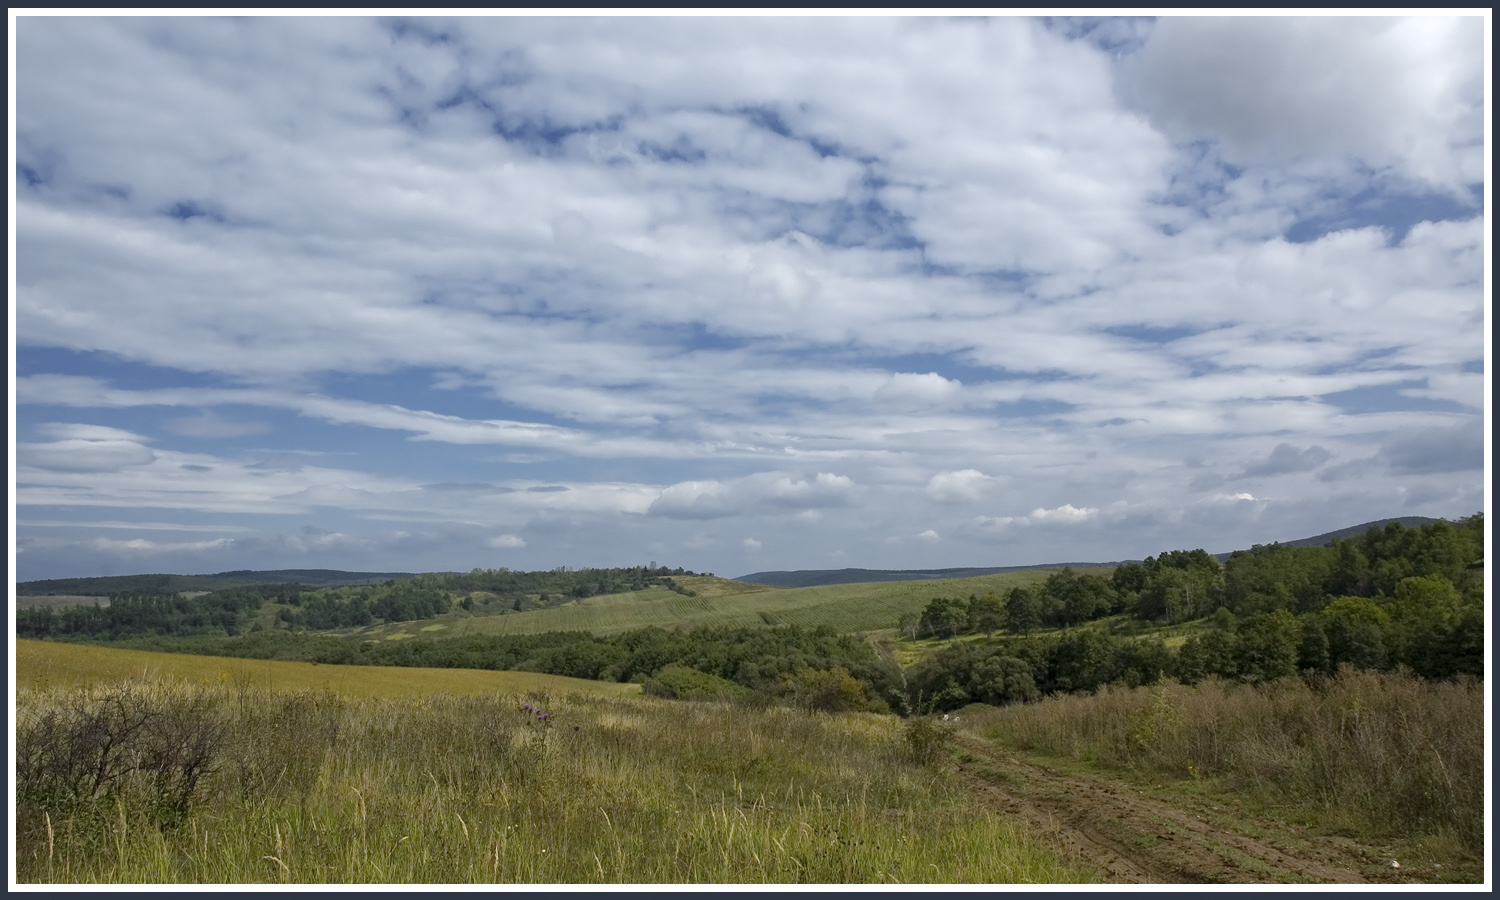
<point x="147" y="750"/>
<point x="834" y="690"/>
<point x="679" y="682"/>
<point x="928" y="739"/>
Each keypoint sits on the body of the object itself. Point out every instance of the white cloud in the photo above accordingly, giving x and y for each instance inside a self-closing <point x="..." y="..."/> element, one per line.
<point x="761" y="491"/>
<point x="506" y="542"/>
<point x="96" y="454"/>
<point x="1386" y="90"/>
<point x="846" y="254"/>
<point x="695" y="500"/>
<point x="751" y="544"/>
<point x="67" y="431"/>
<point x="1066" y="514"/>
<point x="963" y="486"/>
<point x="142" y="547"/>
<point x="926" y="537"/>
<point x="904" y="391"/>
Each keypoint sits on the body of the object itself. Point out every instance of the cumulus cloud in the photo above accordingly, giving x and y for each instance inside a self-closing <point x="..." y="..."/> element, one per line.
<point x="1292" y="87"/>
<point x="962" y="486"/>
<point x="695" y="500"/>
<point x="1067" y="514"/>
<point x="762" y="491"/>
<point x="904" y="390"/>
<point x="506" y="542"/>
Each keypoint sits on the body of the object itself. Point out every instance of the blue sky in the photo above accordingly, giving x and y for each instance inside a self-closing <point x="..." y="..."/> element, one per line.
<point x="738" y="294"/>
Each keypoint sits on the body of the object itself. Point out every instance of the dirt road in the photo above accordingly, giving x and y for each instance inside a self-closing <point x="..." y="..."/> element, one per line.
<point x="1135" y="839"/>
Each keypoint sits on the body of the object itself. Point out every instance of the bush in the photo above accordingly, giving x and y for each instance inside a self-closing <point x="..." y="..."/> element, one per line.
<point x="834" y="690"/>
<point x="678" y="682"/>
<point x="928" y="739"/>
<point x="147" y="750"/>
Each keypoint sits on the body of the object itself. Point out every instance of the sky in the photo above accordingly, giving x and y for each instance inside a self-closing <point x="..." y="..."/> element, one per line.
<point x="738" y="294"/>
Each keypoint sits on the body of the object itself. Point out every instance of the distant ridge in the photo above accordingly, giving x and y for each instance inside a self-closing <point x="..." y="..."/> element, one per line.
<point x="1323" y="540"/>
<point x="110" y="585"/>
<point x="821" y="577"/>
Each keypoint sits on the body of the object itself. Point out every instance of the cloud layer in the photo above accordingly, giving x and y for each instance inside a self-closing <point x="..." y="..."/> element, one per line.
<point x="887" y="292"/>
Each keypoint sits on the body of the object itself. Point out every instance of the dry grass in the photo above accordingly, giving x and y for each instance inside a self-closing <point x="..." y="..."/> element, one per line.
<point x="46" y="664"/>
<point x="319" y="788"/>
<point x="1377" y="754"/>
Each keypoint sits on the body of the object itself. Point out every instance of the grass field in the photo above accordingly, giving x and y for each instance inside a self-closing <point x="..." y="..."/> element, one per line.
<point x="372" y="784"/>
<point x="720" y="602"/>
<point x="46" y="665"/>
<point x="58" y="601"/>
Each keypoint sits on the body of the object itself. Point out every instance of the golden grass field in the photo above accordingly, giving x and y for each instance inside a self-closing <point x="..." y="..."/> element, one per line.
<point x="41" y="665"/>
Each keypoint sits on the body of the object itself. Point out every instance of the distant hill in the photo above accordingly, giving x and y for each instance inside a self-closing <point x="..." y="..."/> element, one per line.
<point x="1323" y="540"/>
<point x="162" y="583"/>
<point x="171" y="584"/>
<point x="820" y="577"/>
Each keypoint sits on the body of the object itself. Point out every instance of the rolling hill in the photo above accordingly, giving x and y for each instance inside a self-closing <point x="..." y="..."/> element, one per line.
<point x="814" y="577"/>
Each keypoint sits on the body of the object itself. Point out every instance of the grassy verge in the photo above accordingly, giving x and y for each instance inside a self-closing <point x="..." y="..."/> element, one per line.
<point x="1383" y="756"/>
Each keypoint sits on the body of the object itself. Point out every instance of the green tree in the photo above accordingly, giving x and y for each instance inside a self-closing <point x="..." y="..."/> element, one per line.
<point x="1266" y="646"/>
<point x="1023" y="611"/>
<point x="1000" y="680"/>
<point x="1357" y="628"/>
<point x="946" y="617"/>
<point x="987" y="613"/>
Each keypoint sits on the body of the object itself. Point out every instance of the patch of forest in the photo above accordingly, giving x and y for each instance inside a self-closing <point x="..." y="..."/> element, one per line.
<point x="1391" y="598"/>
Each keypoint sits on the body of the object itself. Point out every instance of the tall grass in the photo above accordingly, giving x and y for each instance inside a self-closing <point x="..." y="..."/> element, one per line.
<point x="317" y="788"/>
<point x="1376" y="753"/>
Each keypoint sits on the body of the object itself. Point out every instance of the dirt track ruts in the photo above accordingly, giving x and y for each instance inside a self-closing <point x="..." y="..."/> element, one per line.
<point x="1135" y="839"/>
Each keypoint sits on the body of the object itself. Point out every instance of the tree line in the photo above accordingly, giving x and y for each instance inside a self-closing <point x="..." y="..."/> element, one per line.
<point x="835" y="670"/>
<point x="230" y="611"/>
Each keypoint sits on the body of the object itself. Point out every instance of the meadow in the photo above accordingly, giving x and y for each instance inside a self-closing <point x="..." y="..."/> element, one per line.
<point x="1384" y="756"/>
<point x="1138" y="719"/>
<point x="228" y="782"/>
<point x="719" y="603"/>
<point x="45" y="666"/>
